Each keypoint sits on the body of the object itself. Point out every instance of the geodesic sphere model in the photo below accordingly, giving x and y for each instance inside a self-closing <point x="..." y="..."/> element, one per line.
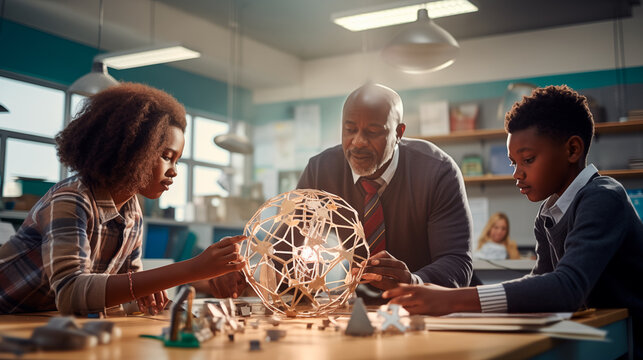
<point x="300" y="250"/>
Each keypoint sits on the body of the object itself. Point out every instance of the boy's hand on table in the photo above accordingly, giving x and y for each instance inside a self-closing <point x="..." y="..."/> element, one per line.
<point x="431" y="299"/>
<point x="384" y="271"/>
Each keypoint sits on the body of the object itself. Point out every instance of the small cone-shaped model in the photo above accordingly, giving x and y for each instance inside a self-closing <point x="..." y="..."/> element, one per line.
<point x="359" y="324"/>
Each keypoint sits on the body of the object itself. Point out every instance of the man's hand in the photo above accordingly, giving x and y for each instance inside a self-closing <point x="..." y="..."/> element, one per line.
<point x="431" y="299"/>
<point x="228" y="285"/>
<point x="384" y="271"/>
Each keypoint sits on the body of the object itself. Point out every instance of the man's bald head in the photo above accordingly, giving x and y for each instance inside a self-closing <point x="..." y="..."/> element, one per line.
<point x="377" y="95"/>
<point x="371" y="127"/>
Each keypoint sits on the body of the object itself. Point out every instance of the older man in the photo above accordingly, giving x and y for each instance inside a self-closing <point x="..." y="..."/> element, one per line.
<point x="410" y="193"/>
<point x="417" y="219"/>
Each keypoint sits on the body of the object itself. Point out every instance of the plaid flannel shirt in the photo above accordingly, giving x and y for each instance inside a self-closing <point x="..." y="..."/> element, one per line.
<point x="69" y="244"/>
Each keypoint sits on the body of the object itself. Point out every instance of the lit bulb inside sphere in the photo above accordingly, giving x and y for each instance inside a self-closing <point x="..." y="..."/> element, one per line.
<point x="300" y="248"/>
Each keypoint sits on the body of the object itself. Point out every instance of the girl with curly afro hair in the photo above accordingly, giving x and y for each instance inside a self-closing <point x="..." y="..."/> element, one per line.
<point x="79" y="250"/>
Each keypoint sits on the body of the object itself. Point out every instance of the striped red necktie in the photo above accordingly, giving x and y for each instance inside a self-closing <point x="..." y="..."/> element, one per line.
<point x="373" y="217"/>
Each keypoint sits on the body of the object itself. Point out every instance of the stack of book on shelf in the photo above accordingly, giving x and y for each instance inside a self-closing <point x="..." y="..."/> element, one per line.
<point x="556" y="325"/>
<point x="634" y="115"/>
<point x="463" y="117"/>
<point x="636" y="163"/>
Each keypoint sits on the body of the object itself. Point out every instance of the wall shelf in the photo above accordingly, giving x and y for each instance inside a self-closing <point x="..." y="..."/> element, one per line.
<point x="506" y="179"/>
<point x="497" y="134"/>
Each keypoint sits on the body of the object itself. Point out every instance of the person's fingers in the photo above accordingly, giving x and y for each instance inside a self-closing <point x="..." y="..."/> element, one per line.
<point x="166" y="299"/>
<point x="160" y="301"/>
<point x="408" y="301"/>
<point x="416" y="310"/>
<point x="371" y="277"/>
<point x="151" y="304"/>
<point x="230" y="240"/>
<point x="379" y="281"/>
<point x="235" y="266"/>
<point x="358" y="266"/>
<point x="230" y="257"/>
<point x="224" y="250"/>
<point x="398" y="274"/>
<point x="141" y="304"/>
<point x="145" y="303"/>
<point x="380" y="255"/>
<point x="388" y="262"/>
<point x="386" y="283"/>
<point x="398" y="291"/>
<point x="400" y="300"/>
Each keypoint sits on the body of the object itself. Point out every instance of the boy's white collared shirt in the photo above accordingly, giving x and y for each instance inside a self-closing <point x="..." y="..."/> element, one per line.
<point x="556" y="206"/>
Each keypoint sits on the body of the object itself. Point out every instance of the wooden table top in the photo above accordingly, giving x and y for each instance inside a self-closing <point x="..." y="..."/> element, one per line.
<point x="303" y="343"/>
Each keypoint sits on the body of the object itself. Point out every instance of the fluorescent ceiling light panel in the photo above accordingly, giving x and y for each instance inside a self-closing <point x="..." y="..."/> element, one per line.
<point x="405" y="12"/>
<point x="147" y="56"/>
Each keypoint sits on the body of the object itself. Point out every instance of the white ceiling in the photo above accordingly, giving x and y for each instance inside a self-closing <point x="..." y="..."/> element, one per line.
<point x="279" y="36"/>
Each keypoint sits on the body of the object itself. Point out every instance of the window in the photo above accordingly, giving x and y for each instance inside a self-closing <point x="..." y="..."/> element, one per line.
<point x="36" y="114"/>
<point x="177" y="196"/>
<point x="209" y="181"/>
<point x="29" y="159"/>
<point x="34" y="109"/>
<point x="204" y="148"/>
<point x="187" y="149"/>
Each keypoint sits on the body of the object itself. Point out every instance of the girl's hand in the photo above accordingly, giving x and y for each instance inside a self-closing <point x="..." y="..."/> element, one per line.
<point x="220" y="258"/>
<point x="154" y="303"/>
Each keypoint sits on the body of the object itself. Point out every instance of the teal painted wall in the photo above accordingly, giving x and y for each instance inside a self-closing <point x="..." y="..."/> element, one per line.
<point x="34" y="53"/>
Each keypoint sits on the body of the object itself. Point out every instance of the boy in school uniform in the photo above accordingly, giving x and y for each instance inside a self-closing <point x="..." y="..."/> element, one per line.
<point x="589" y="236"/>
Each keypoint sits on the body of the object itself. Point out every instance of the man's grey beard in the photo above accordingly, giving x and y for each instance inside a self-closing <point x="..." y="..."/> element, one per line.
<point x="373" y="169"/>
<point x="367" y="172"/>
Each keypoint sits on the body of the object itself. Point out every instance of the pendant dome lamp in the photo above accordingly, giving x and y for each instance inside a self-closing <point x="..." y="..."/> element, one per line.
<point x="232" y="141"/>
<point x="95" y="81"/>
<point x="98" y="79"/>
<point x="423" y="47"/>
